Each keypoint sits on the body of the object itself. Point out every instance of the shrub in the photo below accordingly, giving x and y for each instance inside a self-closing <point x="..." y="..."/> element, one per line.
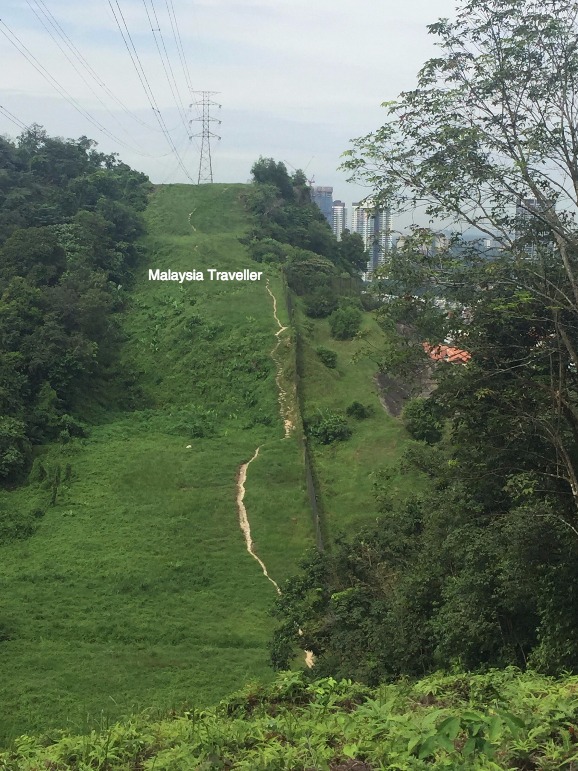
<point x="359" y="411"/>
<point x="14" y="447"/>
<point x="320" y="303"/>
<point x="369" y="301"/>
<point x="423" y="421"/>
<point x="345" y="323"/>
<point x="327" y="356"/>
<point x="327" y="427"/>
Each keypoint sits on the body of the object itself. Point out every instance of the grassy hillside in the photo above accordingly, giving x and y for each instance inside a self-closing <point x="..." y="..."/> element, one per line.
<point x="135" y="589"/>
<point x="348" y="470"/>
<point x="500" y="720"/>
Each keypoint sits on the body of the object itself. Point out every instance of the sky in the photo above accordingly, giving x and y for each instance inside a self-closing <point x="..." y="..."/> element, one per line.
<point x="296" y="79"/>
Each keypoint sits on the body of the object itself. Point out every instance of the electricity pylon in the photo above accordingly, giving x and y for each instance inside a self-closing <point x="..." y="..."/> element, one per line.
<point x="205" y="162"/>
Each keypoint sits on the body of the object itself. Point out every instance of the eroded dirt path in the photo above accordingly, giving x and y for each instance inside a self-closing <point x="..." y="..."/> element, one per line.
<point x="287" y="423"/>
<point x="244" y="520"/>
<point x="242" y="474"/>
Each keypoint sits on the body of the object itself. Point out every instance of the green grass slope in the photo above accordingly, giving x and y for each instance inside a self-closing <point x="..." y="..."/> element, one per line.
<point x="135" y="589"/>
<point x="499" y="720"/>
<point x="347" y="470"/>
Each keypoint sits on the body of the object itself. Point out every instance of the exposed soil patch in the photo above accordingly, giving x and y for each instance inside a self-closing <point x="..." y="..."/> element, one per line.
<point x="287" y="423"/>
<point x="244" y="521"/>
<point x="393" y="394"/>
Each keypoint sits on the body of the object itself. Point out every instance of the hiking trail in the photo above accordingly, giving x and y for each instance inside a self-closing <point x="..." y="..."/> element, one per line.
<point x="242" y="474"/>
<point x="244" y="520"/>
<point x="287" y="423"/>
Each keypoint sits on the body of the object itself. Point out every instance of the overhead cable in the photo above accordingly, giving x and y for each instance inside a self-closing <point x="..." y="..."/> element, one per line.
<point x="85" y="81"/>
<point x="127" y="38"/>
<point x="11" y="117"/>
<point x="73" y="48"/>
<point x="170" y="75"/>
<point x="29" y="56"/>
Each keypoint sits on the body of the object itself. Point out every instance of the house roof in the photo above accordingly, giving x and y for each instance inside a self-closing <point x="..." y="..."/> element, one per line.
<point x="446" y="353"/>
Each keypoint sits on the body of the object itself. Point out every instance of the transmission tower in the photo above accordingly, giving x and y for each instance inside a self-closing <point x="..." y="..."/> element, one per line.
<point x="205" y="103"/>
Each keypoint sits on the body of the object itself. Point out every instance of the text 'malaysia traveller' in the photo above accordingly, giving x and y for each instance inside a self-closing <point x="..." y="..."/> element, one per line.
<point x="199" y="275"/>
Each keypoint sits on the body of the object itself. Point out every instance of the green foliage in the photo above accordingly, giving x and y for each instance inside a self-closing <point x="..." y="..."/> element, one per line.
<point x="266" y="171"/>
<point x="352" y="252"/>
<point x="306" y="271"/>
<point x="457" y="575"/>
<point x="345" y="323"/>
<point x="18" y="525"/>
<point x="320" y="303"/>
<point x="14" y="447"/>
<point x="488" y="577"/>
<point x="327" y="427"/>
<point x="422" y="419"/>
<point x="484" y="722"/>
<point x="359" y="411"/>
<point x="289" y="229"/>
<point x="327" y="356"/>
<point x="70" y="220"/>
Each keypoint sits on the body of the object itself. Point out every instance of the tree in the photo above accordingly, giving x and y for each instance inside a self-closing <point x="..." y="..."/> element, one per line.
<point x="421" y="421"/>
<point x="351" y="251"/>
<point x="14" y="447"/>
<point x="488" y="137"/>
<point x="481" y="568"/>
<point x="345" y="323"/>
<point x="266" y="171"/>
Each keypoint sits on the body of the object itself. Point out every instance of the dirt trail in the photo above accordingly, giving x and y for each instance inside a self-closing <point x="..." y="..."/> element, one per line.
<point x="242" y="475"/>
<point x="244" y="520"/>
<point x="288" y="424"/>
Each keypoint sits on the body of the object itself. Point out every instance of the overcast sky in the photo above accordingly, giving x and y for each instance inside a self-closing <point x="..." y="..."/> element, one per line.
<point x="297" y="78"/>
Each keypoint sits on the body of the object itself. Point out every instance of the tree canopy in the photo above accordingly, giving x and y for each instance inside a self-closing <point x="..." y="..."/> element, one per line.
<point x="69" y="225"/>
<point x="479" y="568"/>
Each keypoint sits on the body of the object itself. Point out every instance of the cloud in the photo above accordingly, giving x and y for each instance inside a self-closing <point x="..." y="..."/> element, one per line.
<point x="297" y="78"/>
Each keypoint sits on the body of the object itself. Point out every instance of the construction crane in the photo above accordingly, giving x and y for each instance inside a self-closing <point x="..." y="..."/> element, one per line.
<point x="311" y="181"/>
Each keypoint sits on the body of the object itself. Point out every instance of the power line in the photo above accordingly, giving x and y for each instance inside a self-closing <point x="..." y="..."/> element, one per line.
<point x="205" y="161"/>
<point x="11" y="117"/>
<point x="29" y="56"/>
<point x="181" y="51"/>
<point x="170" y="77"/>
<point x="179" y="42"/>
<point x="184" y="149"/>
<point x="145" y="83"/>
<point x="89" y="69"/>
<point x="137" y="150"/>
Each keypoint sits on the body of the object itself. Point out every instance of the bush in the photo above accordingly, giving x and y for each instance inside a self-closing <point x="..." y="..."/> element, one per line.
<point x="423" y="421"/>
<point x="320" y="303"/>
<point x="327" y="356"/>
<point x="359" y="411"/>
<point x="14" y="447"/>
<point x="345" y="323"/>
<point x="327" y="427"/>
<point x="369" y="301"/>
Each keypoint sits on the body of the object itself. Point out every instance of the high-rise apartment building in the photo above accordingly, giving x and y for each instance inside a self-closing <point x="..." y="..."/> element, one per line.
<point x="323" y="197"/>
<point x="339" y="222"/>
<point x="374" y="226"/>
<point x="530" y="231"/>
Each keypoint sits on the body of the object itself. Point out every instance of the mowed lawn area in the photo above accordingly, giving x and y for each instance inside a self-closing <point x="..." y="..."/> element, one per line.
<point x="136" y="591"/>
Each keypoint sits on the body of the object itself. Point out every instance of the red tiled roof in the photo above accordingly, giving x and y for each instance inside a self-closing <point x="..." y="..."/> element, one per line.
<point x="446" y="353"/>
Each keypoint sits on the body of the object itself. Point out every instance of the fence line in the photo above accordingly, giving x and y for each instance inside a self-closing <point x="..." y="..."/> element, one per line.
<point x="311" y="479"/>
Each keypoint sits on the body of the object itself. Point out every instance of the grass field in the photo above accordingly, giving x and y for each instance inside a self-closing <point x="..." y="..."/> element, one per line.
<point x="136" y="590"/>
<point x="347" y="470"/>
